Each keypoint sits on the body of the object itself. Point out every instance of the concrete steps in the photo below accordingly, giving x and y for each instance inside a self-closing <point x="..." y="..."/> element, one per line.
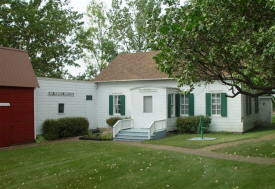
<point x="135" y="134"/>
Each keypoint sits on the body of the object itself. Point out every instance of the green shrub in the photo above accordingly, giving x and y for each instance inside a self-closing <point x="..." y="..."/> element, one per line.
<point x="40" y="139"/>
<point x="186" y="124"/>
<point x="65" y="127"/>
<point x="106" y="134"/>
<point x="112" y="120"/>
<point x="51" y="129"/>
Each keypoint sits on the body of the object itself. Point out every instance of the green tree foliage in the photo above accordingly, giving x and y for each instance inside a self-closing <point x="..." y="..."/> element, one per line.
<point x="43" y="28"/>
<point x="129" y="23"/>
<point x="100" y="47"/>
<point x="232" y="41"/>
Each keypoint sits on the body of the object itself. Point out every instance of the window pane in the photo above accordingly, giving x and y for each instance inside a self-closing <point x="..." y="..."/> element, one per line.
<point x="186" y="101"/>
<point x="117" y="104"/>
<point x="89" y="97"/>
<point x="60" y="108"/>
<point x="147" y="104"/>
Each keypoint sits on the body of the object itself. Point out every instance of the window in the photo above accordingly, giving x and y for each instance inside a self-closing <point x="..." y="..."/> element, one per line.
<point x="256" y="105"/>
<point x="216" y="104"/>
<point x="184" y="105"/>
<point x="147" y="104"/>
<point x="248" y="105"/>
<point x="89" y="97"/>
<point x="61" y="108"/>
<point x="172" y="106"/>
<point x="117" y="103"/>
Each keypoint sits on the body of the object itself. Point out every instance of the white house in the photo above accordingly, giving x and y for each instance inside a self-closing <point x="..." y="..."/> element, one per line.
<point x="131" y="86"/>
<point x="57" y="98"/>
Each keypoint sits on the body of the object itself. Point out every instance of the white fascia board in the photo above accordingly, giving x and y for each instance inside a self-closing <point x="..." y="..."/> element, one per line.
<point x="4" y="104"/>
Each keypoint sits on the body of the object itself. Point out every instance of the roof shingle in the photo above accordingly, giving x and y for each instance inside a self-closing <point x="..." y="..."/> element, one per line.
<point x="16" y="69"/>
<point x="132" y="66"/>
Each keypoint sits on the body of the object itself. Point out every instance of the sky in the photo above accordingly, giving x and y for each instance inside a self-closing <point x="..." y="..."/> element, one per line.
<point x="80" y="6"/>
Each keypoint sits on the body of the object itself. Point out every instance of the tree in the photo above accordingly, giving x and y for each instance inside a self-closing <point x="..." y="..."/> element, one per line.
<point x="231" y="41"/>
<point x="43" y="28"/>
<point x="101" y="49"/>
<point x="129" y="23"/>
<point x="122" y="28"/>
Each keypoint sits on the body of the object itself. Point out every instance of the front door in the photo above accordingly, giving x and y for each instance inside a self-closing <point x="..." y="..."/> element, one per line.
<point x="5" y="126"/>
<point x="266" y="111"/>
<point x="91" y="114"/>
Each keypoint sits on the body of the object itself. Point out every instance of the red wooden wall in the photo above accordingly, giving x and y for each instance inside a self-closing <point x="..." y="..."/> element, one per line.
<point x="21" y="115"/>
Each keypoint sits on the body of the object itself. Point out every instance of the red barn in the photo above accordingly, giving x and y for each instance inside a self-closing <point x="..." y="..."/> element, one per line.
<point x="17" y="84"/>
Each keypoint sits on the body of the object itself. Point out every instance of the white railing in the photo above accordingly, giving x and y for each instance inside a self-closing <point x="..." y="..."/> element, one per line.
<point x="156" y="126"/>
<point x="122" y="124"/>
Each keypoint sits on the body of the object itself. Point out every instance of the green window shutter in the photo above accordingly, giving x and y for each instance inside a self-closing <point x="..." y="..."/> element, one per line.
<point x="208" y="103"/>
<point x="255" y="100"/>
<point x="169" y="106"/>
<point x="191" y="104"/>
<point x="224" y="105"/>
<point x="250" y="109"/>
<point x="246" y="105"/>
<point x="111" y="101"/>
<point x="256" y="105"/>
<point x="122" y="104"/>
<point x="177" y="105"/>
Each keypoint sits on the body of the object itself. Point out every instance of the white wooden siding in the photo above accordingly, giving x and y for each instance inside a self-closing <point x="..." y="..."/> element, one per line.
<point x="47" y="106"/>
<point x="250" y="121"/>
<point x="231" y="123"/>
<point x="123" y="87"/>
<point x="144" y="120"/>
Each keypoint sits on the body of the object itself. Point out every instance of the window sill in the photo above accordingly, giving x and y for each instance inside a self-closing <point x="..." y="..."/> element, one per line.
<point x="216" y="116"/>
<point x="184" y="115"/>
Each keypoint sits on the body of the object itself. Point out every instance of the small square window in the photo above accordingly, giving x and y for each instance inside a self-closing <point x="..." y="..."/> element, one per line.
<point x="147" y="104"/>
<point x="61" y="108"/>
<point x="89" y="97"/>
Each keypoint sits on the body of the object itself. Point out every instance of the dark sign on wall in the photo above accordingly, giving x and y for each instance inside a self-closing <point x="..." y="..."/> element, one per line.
<point x="60" y="94"/>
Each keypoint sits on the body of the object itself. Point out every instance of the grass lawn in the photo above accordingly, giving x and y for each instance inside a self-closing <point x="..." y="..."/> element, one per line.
<point x="180" y="140"/>
<point x="255" y="149"/>
<point x="90" y="164"/>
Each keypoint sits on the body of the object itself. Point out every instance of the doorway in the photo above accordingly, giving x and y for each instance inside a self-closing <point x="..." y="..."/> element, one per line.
<point x="5" y="126"/>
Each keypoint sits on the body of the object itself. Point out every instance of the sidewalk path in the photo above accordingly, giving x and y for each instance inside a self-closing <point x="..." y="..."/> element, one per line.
<point x="207" y="151"/>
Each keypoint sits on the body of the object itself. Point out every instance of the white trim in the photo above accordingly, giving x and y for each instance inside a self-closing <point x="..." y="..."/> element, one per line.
<point x="5" y="104"/>
<point x="34" y="109"/>
<point x="266" y="97"/>
<point x="173" y="98"/>
<point x="135" y="80"/>
<point x="62" y="80"/>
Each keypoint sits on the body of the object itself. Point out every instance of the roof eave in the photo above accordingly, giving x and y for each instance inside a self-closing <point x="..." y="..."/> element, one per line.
<point x="134" y="80"/>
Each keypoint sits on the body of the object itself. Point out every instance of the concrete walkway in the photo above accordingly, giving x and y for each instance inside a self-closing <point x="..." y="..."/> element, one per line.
<point x="207" y="151"/>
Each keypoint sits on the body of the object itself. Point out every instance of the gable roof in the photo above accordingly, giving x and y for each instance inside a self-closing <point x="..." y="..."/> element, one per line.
<point x="132" y="66"/>
<point x="16" y="69"/>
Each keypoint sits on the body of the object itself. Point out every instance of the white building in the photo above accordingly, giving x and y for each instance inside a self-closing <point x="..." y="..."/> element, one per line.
<point x="131" y="86"/>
